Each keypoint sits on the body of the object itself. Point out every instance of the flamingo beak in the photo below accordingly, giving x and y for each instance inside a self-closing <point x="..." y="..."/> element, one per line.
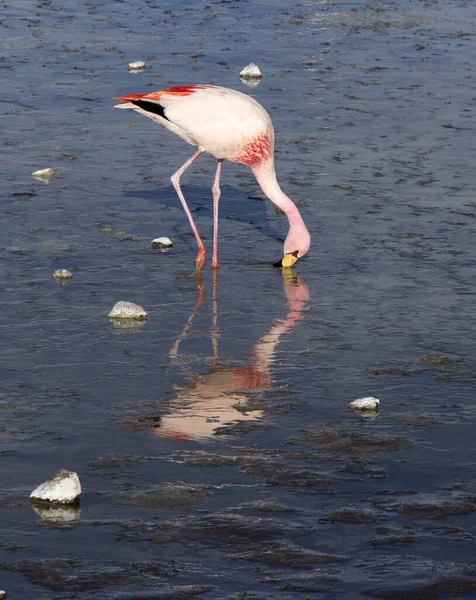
<point x="288" y="260"/>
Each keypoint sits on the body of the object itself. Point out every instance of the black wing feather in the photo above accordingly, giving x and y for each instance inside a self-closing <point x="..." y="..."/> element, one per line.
<point x="152" y="107"/>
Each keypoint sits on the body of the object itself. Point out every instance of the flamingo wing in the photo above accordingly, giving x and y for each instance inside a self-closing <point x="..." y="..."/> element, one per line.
<point x="154" y="106"/>
<point x="217" y="120"/>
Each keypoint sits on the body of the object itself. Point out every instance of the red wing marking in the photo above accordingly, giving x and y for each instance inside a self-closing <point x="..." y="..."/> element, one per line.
<point x="255" y="151"/>
<point x="180" y="90"/>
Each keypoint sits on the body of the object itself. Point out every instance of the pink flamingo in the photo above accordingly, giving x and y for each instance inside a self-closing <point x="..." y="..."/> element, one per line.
<point x="230" y="126"/>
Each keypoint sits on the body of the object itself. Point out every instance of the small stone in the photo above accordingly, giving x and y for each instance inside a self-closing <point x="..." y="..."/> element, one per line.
<point x="3" y="594"/>
<point x="63" y="488"/>
<point x="369" y="403"/>
<point x="137" y="65"/>
<point x="251" y="71"/>
<point x="62" y="274"/>
<point x="162" y="242"/>
<point x="46" y="175"/>
<point x="127" y="310"/>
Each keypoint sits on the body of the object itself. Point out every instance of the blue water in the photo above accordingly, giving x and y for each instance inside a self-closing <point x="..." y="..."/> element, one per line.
<point x="216" y="452"/>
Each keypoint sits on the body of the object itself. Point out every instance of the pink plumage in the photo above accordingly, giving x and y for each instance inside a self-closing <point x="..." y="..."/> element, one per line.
<point x="230" y="126"/>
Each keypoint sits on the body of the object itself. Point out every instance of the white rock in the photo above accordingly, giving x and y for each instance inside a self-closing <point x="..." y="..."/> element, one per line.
<point x="137" y="65"/>
<point x="62" y="274"/>
<point x="44" y="174"/>
<point x="368" y="403"/>
<point x="162" y="242"/>
<point x="3" y="594"/>
<point x="63" y="488"/>
<point x="251" y="71"/>
<point x="127" y="310"/>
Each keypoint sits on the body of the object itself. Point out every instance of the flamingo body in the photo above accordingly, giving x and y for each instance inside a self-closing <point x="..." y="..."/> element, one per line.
<point x="230" y="126"/>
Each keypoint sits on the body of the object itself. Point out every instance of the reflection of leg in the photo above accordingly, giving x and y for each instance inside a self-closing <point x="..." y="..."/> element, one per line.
<point x="216" y="198"/>
<point x="214" y="331"/>
<point x="199" y="261"/>
<point x="198" y="303"/>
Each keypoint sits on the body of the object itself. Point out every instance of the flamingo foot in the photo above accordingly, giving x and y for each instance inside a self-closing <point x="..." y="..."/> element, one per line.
<point x="215" y="265"/>
<point x="200" y="259"/>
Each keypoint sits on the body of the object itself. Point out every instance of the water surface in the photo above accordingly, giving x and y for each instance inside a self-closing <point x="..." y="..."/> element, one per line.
<point x="215" y="448"/>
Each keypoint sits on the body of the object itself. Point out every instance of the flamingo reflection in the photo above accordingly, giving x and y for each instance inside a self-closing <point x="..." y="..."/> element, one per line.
<point x="216" y="399"/>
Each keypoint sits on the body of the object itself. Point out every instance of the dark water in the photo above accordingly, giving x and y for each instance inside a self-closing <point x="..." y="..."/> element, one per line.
<point x="215" y="448"/>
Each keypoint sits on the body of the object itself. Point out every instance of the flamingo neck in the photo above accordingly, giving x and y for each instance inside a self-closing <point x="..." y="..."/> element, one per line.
<point x="266" y="177"/>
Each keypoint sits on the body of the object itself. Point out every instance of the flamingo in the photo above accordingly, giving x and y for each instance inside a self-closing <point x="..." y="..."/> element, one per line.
<point x="230" y="126"/>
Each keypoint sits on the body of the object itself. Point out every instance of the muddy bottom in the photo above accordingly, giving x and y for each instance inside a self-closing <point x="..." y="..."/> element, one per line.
<point x="217" y="454"/>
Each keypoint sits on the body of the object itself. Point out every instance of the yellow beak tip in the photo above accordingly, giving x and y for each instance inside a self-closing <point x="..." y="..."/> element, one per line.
<point x="287" y="261"/>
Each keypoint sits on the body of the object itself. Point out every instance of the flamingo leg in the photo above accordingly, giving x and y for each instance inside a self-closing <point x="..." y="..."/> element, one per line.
<point x="216" y="197"/>
<point x="200" y="259"/>
<point x="214" y="330"/>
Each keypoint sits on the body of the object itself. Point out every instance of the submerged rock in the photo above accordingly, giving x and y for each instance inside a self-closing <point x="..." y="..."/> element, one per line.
<point x="288" y="554"/>
<point x="339" y="438"/>
<point x="165" y="495"/>
<point x="127" y="310"/>
<point x="62" y="274"/>
<point x="162" y="242"/>
<point x="352" y="515"/>
<point x="63" y="488"/>
<point x="46" y="175"/>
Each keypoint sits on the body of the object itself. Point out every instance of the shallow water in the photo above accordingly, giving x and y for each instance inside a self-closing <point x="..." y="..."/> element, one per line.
<point x="215" y="448"/>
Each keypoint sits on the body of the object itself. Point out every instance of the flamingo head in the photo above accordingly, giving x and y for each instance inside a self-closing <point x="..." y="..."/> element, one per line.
<point x="296" y="245"/>
<point x="288" y="260"/>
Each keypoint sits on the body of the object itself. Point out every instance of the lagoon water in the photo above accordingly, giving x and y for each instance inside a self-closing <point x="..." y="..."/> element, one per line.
<point x="217" y="454"/>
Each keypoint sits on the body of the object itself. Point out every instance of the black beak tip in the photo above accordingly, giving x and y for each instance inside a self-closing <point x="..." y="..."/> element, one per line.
<point x="279" y="264"/>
